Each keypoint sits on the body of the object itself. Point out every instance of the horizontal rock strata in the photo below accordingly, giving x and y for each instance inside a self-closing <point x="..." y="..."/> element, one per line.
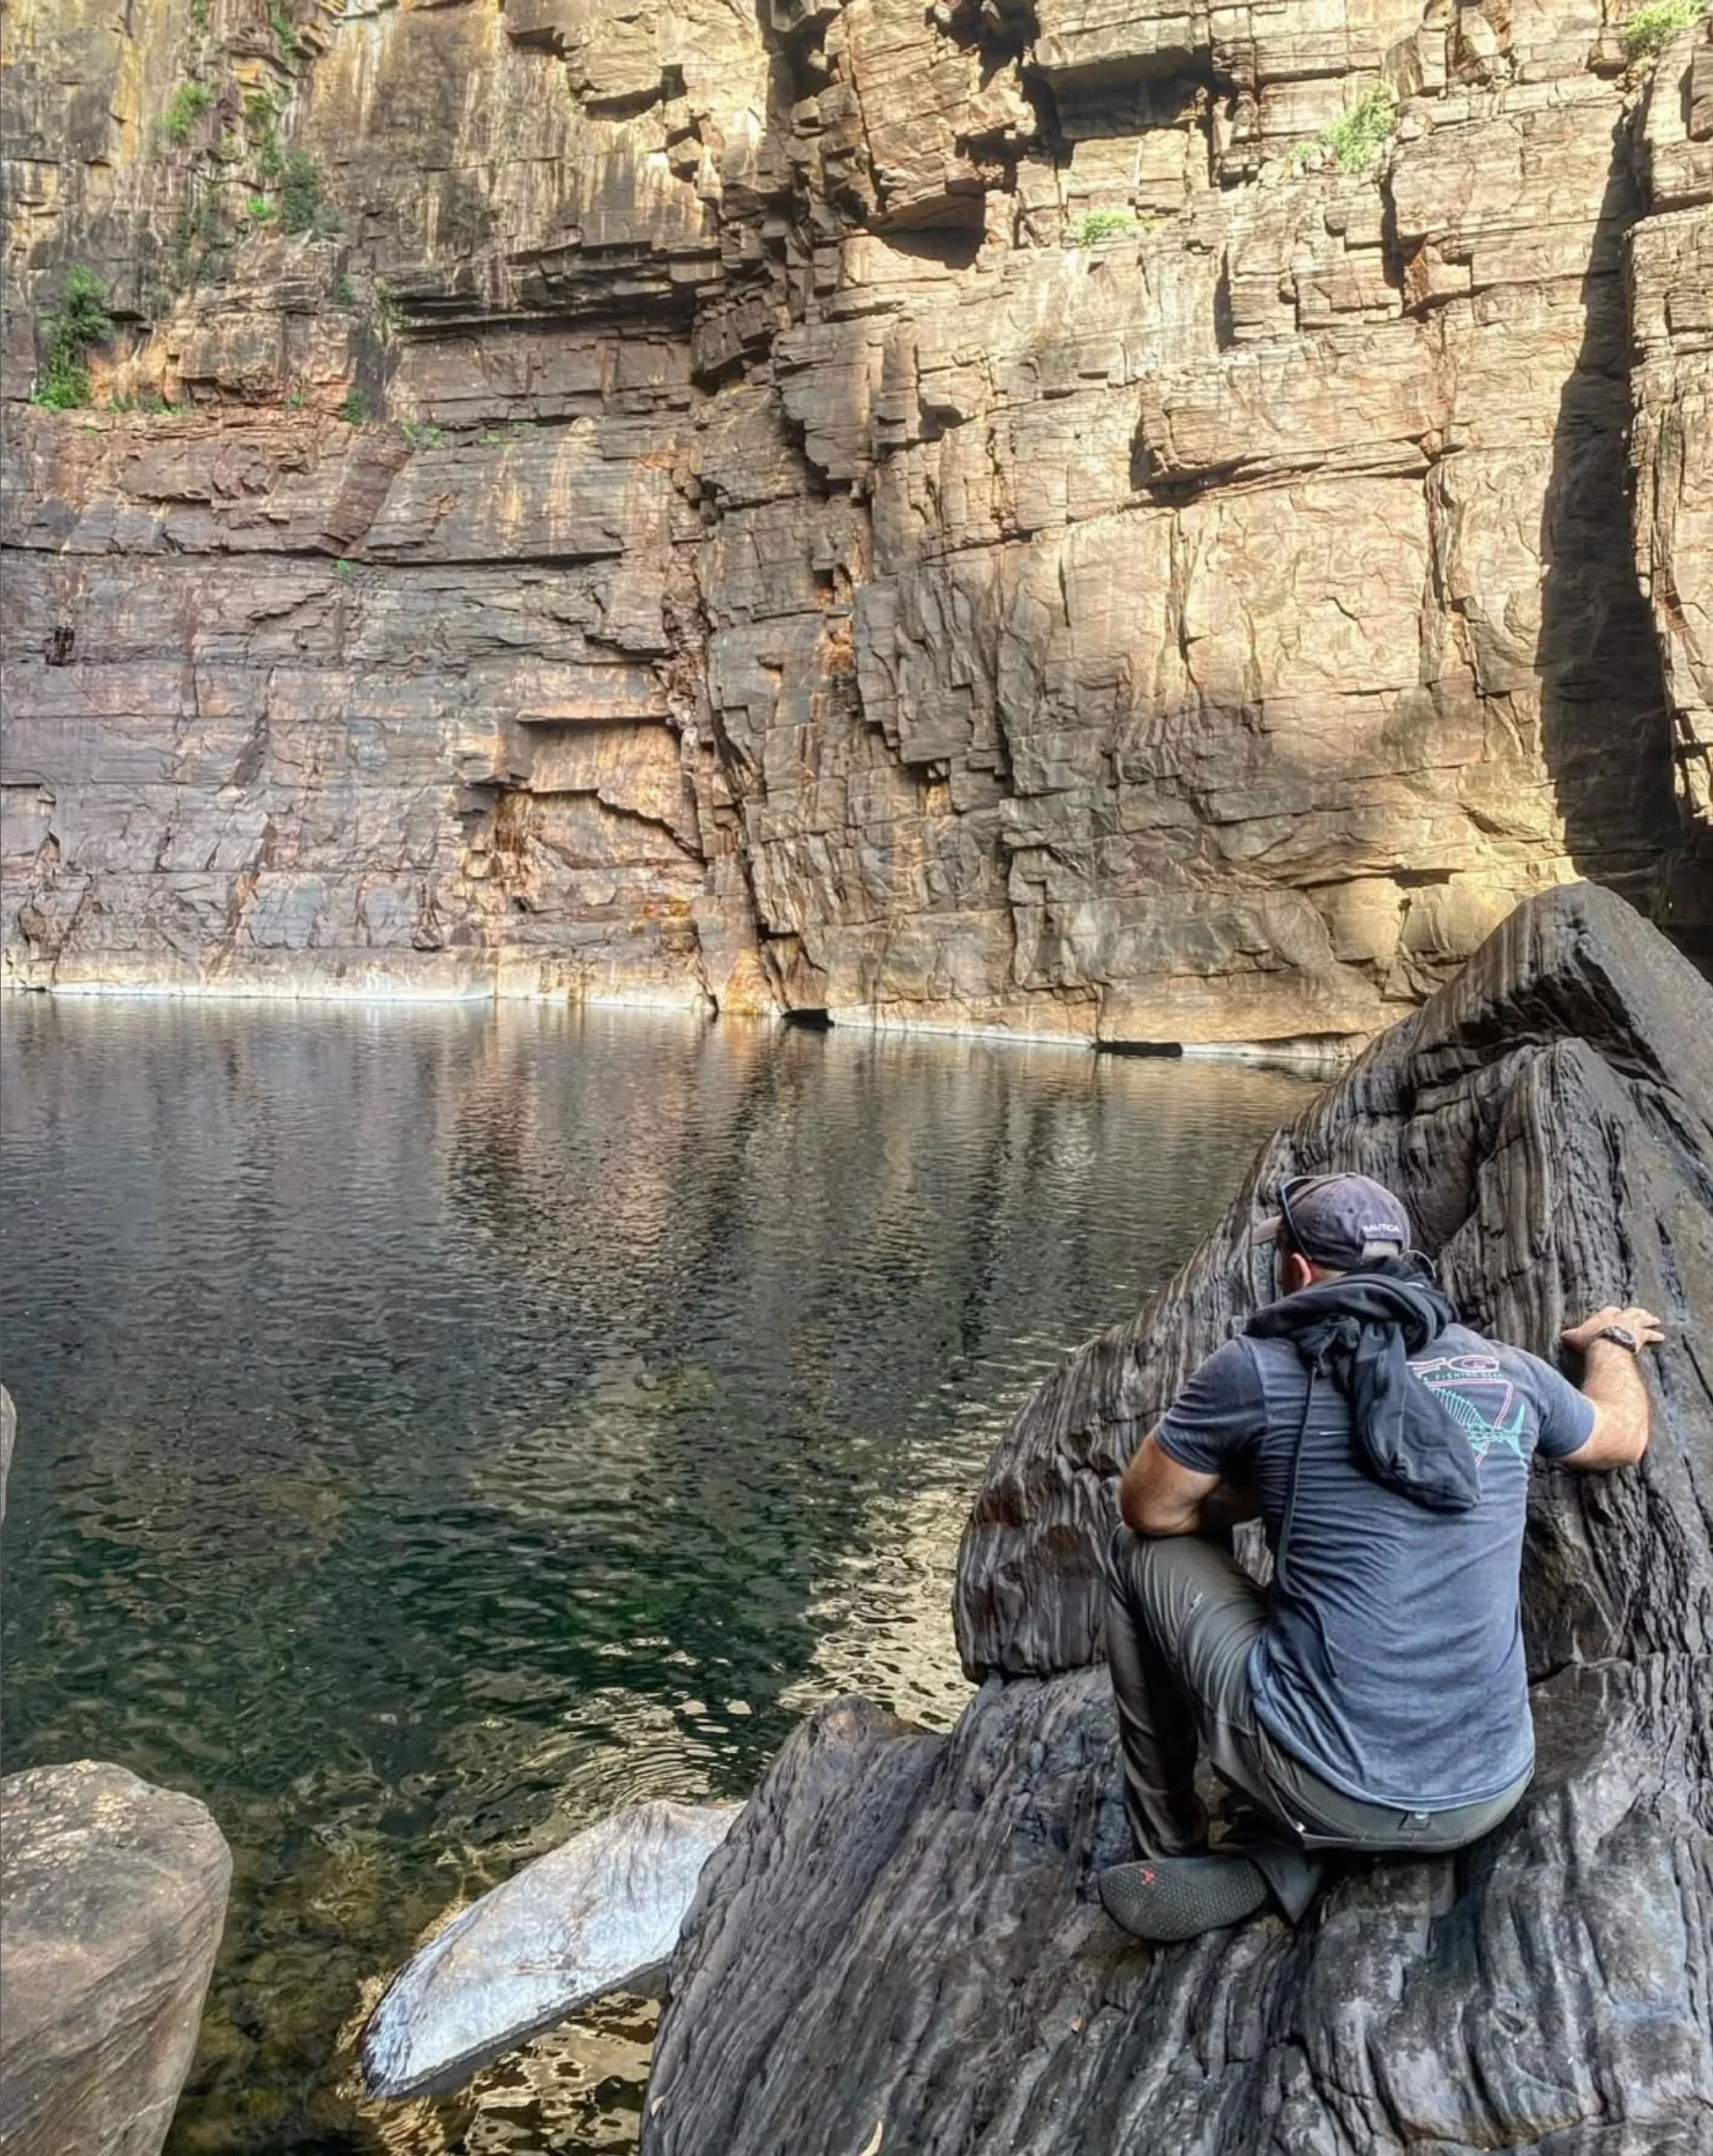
<point x="1669" y="267"/>
<point x="899" y="1946"/>
<point x="1004" y="517"/>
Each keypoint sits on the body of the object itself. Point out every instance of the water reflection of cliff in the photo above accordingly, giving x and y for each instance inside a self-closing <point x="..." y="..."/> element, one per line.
<point x="774" y="1238"/>
<point x="446" y="1425"/>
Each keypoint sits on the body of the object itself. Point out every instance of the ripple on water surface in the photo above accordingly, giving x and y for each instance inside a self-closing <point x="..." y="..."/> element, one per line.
<point x="438" y="1427"/>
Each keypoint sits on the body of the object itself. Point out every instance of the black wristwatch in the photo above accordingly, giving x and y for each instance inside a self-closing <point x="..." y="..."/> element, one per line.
<point x="1622" y="1334"/>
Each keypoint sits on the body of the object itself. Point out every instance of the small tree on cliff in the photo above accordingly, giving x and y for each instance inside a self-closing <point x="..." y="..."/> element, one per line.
<point x="80" y="321"/>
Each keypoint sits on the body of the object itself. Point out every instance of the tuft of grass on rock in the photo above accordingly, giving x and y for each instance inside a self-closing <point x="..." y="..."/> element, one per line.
<point x="1645" y="31"/>
<point x="1356" y="141"/>
<point x="355" y="412"/>
<point x="185" y="107"/>
<point x="1102" y="224"/>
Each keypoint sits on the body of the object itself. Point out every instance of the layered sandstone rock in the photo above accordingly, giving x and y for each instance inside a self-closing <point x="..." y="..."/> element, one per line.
<point x="963" y="516"/>
<point x="899" y="1945"/>
<point x="1669" y="268"/>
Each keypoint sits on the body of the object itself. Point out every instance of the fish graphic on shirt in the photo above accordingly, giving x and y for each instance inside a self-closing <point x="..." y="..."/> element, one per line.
<point x="1481" y="1398"/>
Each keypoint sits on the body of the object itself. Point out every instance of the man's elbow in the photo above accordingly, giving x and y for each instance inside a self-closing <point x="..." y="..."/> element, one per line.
<point x="1618" y="1439"/>
<point x="1633" y="1440"/>
<point x="1145" y="1513"/>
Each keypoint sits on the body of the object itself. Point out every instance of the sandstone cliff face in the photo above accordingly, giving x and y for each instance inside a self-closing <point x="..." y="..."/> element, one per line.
<point x="944" y="515"/>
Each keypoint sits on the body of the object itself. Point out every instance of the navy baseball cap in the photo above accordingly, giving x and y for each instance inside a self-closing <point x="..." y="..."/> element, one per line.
<point x="1339" y="1220"/>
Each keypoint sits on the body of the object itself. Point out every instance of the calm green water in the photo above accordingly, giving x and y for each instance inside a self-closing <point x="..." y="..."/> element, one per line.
<point x="437" y="1427"/>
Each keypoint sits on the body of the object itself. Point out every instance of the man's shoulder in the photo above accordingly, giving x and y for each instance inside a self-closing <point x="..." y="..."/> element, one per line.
<point x="1466" y="1361"/>
<point x="1459" y="1352"/>
<point x="1458" y="1339"/>
<point x="1231" y="1362"/>
<point x="1273" y="1368"/>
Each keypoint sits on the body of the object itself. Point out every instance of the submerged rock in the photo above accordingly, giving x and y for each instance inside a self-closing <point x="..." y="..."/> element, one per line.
<point x="601" y="1914"/>
<point x="8" y="1431"/>
<point x="115" y="1894"/>
<point x="899" y="1948"/>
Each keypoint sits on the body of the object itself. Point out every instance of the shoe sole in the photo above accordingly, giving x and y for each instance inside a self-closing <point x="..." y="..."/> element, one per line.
<point x="1172" y="1897"/>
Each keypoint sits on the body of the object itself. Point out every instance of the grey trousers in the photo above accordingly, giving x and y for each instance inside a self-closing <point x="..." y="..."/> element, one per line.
<point x="1182" y="1616"/>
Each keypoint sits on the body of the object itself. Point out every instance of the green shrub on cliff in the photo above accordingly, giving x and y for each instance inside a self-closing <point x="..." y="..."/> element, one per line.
<point x="186" y="106"/>
<point x="1356" y="141"/>
<point x="302" y="206"/>
<point x="280" y="24"/>
<point x="1645" y="31"/>
<point x="300" y="191"/>
<point x="1102" y="224"/>
<point x="80" y="321"/>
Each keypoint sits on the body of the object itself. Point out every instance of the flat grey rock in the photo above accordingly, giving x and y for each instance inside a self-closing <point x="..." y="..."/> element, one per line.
<point x="8" y="1431"/>
<point x="113" y="1899"/>
<point x="602" y="1913"/>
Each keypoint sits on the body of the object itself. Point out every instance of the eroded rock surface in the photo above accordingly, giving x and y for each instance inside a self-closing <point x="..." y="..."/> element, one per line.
<point x="115" y="1894"/>
<point x="900" y="1937"/>
<point x="961" y="516"/>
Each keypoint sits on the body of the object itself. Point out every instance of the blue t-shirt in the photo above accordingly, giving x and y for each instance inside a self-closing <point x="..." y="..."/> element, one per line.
<point x="1392" y="1664"/>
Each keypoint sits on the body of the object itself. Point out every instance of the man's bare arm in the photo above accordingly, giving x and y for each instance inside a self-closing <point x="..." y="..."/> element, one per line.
<point x="1614" y="1383"/>
<point x="1159" y="1496"/>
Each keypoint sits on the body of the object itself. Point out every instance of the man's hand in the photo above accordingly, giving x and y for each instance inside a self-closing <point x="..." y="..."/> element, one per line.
<point x="1642" y="1323"/>
<point x="1614" y="1384"/>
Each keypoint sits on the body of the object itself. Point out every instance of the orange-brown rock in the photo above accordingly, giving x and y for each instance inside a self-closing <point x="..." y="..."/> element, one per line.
<point x="969" y="517"/>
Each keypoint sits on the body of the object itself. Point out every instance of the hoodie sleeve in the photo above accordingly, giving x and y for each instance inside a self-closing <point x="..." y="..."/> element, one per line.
<point x="1215" y="1425"/>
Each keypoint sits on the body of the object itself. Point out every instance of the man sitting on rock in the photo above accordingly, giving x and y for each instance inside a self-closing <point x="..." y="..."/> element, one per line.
<point x="1375" y="1701"/>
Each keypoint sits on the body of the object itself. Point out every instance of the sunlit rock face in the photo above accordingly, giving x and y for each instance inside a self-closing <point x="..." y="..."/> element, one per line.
<point x="943" y="516"/>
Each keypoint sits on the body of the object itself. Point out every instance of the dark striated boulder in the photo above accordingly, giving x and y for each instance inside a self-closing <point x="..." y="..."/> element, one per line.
<point x="898" y="1949"/>
<point x="115" y="1894"/>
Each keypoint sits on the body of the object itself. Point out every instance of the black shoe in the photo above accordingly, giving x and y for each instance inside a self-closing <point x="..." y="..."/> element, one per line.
<point x="1168" y="1898"/>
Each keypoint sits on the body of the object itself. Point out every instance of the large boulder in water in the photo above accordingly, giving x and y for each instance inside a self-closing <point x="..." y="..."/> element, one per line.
<point x="112" y="1897"/>
<point x="899" y="1948"/>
